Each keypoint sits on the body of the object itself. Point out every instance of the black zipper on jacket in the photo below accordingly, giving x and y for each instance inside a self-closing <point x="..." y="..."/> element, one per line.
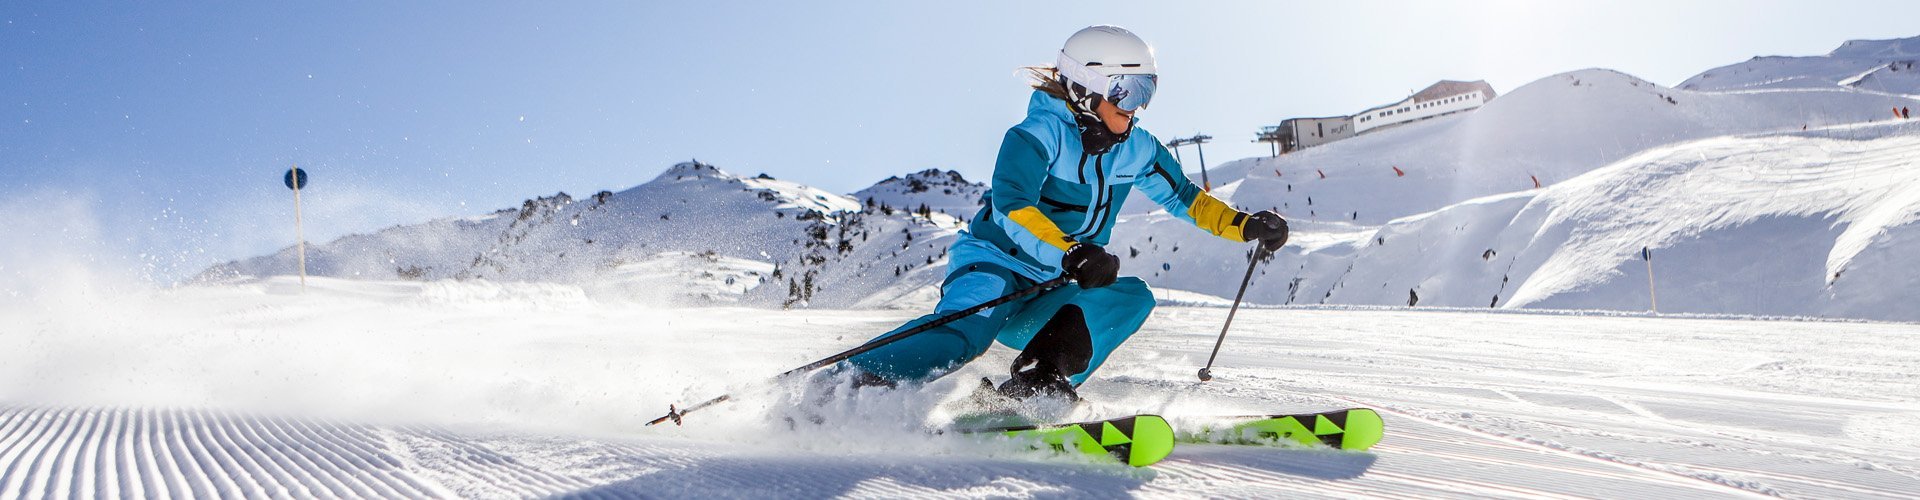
<point x="1097" y="214"/>
<point x="1083" y="168"/>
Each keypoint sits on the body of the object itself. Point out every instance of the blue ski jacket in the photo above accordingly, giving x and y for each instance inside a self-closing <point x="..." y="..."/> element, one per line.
<point x="1049" y="194"/>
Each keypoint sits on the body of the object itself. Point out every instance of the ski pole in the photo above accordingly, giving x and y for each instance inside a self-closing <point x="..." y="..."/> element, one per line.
<point x="1206" y="374"/>
<point x="674" y="413"/>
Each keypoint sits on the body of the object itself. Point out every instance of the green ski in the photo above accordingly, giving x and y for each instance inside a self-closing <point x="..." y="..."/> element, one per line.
<point x="1349" y="429"/>
<point x="1139" y="440"/>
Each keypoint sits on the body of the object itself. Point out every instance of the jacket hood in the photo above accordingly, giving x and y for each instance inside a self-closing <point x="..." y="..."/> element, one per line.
<point x="1041" y="104"/>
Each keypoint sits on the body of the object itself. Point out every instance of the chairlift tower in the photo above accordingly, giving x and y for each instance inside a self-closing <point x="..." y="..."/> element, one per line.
<point x="1272" y="136"/>
<point x="1196" y="141"/>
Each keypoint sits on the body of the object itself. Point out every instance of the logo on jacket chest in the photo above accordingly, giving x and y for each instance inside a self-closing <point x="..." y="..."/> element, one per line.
<point x="1090" y="175"/>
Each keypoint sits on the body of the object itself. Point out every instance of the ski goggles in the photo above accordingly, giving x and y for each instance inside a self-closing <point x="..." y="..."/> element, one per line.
<point x="1131" y="92"/>
<point x="1128" y="91"/>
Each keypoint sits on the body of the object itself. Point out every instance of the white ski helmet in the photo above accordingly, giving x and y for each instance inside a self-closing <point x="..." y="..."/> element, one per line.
<point x="1098" y="58"/>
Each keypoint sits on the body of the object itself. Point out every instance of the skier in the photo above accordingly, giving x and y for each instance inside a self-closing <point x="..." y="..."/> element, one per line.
<point x="1060" y="179"/>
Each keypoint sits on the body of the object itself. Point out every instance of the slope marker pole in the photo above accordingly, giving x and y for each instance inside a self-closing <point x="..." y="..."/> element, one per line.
<point x="297" y="179"/>
<point x="1655" y="298"/>
<point x="1646" y="255"/>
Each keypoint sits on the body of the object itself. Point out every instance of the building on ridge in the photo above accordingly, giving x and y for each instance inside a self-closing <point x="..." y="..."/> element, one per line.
<point x="1440" y="99"/>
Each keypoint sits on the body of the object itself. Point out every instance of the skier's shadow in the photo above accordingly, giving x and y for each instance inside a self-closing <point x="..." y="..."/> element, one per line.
<point x="1326" y="464"/>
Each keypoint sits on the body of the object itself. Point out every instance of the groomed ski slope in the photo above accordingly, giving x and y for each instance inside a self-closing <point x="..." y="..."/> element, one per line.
<point x="472" y="389"/>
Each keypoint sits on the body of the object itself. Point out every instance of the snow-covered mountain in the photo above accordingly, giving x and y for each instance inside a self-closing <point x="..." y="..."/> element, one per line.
<point x="1552" y="129"/>
<point x="1816" y="223"/>
<point x="1885" y="66"/>
<point x="941" y="191"/>
<point x="695" y="233"/>
<point x="1753" y="201"/>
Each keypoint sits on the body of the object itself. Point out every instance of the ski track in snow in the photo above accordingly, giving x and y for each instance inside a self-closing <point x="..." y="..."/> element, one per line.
<point x="481" y="397"/>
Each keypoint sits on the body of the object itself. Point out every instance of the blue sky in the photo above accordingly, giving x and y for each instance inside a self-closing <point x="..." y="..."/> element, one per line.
<point x="171" y="121"/>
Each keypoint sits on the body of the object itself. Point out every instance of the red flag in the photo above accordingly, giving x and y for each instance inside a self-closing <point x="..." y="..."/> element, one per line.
<point x="1399" y="173"/>
<point x="1536" y="181"/>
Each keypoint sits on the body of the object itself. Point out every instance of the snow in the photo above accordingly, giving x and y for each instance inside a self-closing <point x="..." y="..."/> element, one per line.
<point x="1811" y="223"/>
<point x="516" y="353"/>
<point x="695" y="234"/>
<point x="1553" y="129"/>
<point x="1871" y="65"/>
<point x="481" y="389"/>
<point x="941" y="191"/>
<point x="1756" y="201"/>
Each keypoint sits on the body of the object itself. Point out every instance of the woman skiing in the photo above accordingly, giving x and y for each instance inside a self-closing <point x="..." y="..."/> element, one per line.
<point x="1058" y="184"/>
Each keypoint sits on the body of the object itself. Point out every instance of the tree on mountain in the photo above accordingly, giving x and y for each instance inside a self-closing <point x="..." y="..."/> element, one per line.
<point x="818" y="232"/>
<point x="410" y="272"/>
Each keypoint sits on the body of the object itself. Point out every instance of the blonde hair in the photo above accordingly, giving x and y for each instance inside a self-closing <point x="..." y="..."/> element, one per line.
<point x="1047" y="79"/>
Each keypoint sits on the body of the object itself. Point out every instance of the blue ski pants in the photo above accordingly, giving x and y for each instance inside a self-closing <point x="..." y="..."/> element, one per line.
<point x="1112" y="313"/>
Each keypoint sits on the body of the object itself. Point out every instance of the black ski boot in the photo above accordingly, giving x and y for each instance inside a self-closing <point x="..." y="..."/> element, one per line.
<point x="1061" y="349"/>
<point x="1037" y="381"/>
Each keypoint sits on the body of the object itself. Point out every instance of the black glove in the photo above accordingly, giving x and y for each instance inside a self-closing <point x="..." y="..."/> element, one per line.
<point x="1090" y="265"/>
<point x="1267" y="227"/>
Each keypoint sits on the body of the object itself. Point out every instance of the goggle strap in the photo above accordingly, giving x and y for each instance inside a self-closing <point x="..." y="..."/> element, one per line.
<point x="1078" y="72"/>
